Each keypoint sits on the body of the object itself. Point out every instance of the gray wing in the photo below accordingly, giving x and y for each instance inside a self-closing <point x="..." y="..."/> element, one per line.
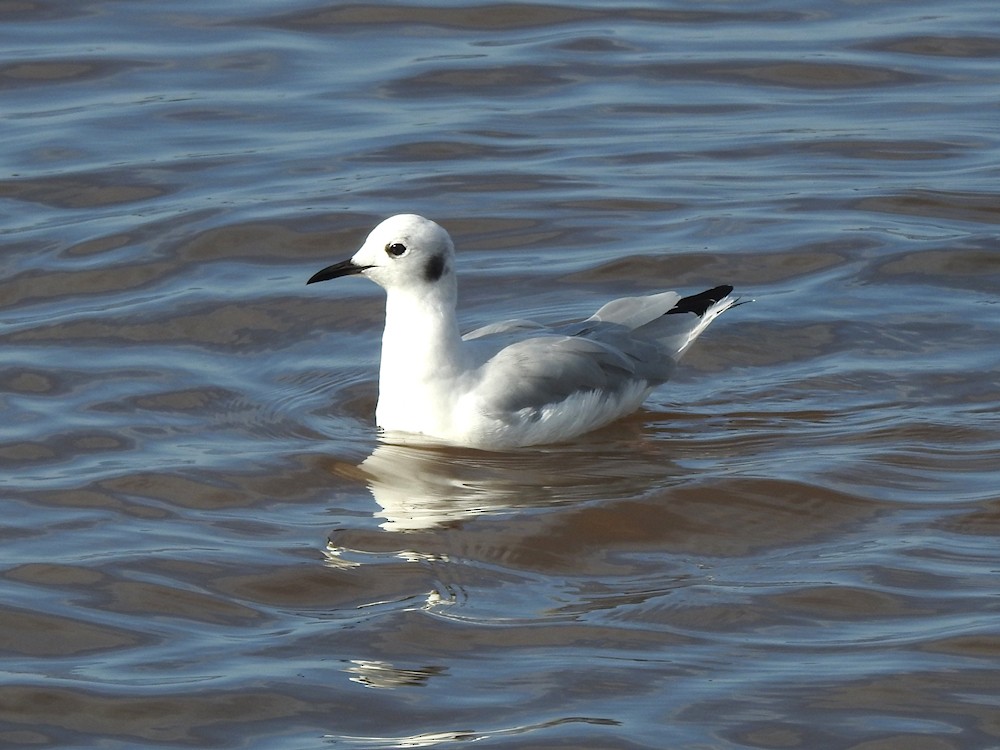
<point x="632" y="312"/>
<point x="627" y="312"/>
<point x="628" y="341"/>
<point x="537" y="372"/>
<point x="504" y="326"/>
<point x="670" y="321"/>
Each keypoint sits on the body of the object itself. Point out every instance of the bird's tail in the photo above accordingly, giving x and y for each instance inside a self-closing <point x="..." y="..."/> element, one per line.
<point x="678" y="328"/>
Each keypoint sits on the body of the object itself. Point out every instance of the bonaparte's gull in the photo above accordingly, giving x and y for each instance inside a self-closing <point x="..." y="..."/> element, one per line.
<point x="514" y="383"/>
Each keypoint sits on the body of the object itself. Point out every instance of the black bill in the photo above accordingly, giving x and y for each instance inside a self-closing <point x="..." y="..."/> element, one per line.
<point x="344" y="268"/>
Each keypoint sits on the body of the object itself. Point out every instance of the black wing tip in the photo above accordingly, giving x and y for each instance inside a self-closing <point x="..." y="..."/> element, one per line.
<point x="699" y="303"/>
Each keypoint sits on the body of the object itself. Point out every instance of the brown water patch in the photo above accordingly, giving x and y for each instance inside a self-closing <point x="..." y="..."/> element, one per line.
<point x="884" y="150"/>
<point x="46" y="285"/>
<point x="186" y="401"/>
<point x="157" y="237"/>
<point x="54" y="574"/>
<point x="36" y="72"/>
<point x="414" y="634"/>
<point x="847" y="603"/>
<point x="447" y="150"/>
<point x="826" y="76"/>
<point x="92" y="499"/>
<point x="733" y="519"/>
<point x="504" y="17"/>
<point x="276" y="244"/>
<point x="533" y="79"/>
<point x="982" y="208"/>
<point x="496" y="16"/>
<point x="509" y="79"/>
<point x="983" y="521"/>
<point x="983" y="646"/>
<point x="622" y="205"/>
<point x="597" y="44"/>
<point x="35" y="10"/>
<point x="229" y="325"/>
<point x="83" y="190"/>
<point x="178" y="491"/>
<point x="99" y="245"/>
<point x="911" y="710"/>
<point x="327" y="589"/>
<point x="161" y="718"/>
<point x="486" y="181"/>
<point x="160" y="600"/>
<point x="498" y="233"/>
<point x="967" y="267"/>
<point x="961" y="695"/>
<point x="59" y="447"/>
<point x="796" y="74"/>
<point x="743" y="269"/>
<point x="27" y="381"/>
<point x="169" y="494"/>
<point x="939" y="46"/>
<point x="36" y="634"/>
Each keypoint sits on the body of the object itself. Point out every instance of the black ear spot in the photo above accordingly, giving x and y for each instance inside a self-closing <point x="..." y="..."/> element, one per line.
<point x="435" y="268"/>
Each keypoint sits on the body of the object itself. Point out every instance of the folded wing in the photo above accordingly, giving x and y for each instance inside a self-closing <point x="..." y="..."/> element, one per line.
<point x="630" y="343"/>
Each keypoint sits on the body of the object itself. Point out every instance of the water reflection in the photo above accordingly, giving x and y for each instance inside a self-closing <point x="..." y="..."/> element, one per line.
<point x="420" y="487"/>
<point x="382" y="674"/>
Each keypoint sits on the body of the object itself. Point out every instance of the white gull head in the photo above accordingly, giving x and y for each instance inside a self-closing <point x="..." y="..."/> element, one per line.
<point x="404" y="252"/>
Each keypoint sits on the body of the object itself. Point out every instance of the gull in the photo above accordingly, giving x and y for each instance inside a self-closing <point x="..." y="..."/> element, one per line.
<point x="516" y="383"/>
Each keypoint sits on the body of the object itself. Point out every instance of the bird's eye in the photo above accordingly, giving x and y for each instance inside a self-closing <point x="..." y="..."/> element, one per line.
<point x="395" y="249"/>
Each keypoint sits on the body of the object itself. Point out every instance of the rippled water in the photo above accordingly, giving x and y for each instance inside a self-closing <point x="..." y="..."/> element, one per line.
<point x="794" y="545"/>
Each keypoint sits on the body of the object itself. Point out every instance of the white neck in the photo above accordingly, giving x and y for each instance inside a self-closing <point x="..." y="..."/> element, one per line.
<point x="421" y="354"/>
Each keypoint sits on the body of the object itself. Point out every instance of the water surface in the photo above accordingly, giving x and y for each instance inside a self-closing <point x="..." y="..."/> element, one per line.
<point x="793" y="545"/>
